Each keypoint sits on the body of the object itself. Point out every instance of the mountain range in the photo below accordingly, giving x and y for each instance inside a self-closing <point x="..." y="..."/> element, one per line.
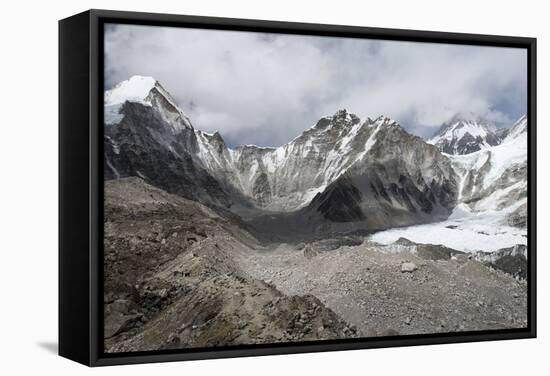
<point x="329" y="236"/>
<point x="342" y="174"/>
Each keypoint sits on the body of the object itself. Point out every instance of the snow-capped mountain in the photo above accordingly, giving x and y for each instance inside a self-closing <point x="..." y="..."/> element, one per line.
<point x="280" y="179"/>
<point x="465" y="134"/>
<point x="495" y="179"/>
<point x="147" y="135"/>
<point x="489" y="177"/>
<point x="148" y="92"/>
<point x="342" y="173"/>
<point x="288" y="177"/>
<point x="394" y="179"/>
<point x="401" y="180"/>
<point x="491" y="210"/>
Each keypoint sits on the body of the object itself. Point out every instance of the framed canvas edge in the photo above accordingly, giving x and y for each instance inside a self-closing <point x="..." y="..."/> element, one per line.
<point x="96" y="193"/>
<point x="97" y="17"/>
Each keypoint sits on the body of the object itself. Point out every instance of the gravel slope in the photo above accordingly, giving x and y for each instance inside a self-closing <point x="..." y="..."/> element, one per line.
<point x="366" y="286"/>
<point x="171" y="280"/>
<point x="179" y="275"/>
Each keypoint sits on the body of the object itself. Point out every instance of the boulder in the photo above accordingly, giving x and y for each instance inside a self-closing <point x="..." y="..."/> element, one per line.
<point x="408" y="267"/>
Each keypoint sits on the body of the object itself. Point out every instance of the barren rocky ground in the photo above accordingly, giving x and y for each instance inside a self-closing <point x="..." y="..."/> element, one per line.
<point x="171" y="281"/>
<point x="405" y="289"/>
<point x="179" y="275"/>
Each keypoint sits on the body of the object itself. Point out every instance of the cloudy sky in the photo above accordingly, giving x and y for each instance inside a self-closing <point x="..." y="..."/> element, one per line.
<point x="265" y="89"/>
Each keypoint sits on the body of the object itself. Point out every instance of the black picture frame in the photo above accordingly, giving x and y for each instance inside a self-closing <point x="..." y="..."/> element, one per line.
<point x="81" y="185"/>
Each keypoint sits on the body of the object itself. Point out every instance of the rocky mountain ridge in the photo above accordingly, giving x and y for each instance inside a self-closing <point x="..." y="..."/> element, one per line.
<point x="341" y="174"/>
<point x="464" y="134"/>
<point x="151" y="138"/>
<point x="172" y="281"/>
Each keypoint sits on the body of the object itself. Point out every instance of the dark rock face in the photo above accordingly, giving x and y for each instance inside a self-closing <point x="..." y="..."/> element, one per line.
<point x="511" y="260"/>
<point x="418" y="168"/>
<point x="514" y="265"/>
<point x="144" y="145"/>
<point x="401" y="179"/>
<point x="261" y="189"/>
<point x="340" y="202"/>
<point x="436" y="252"/>
<point x="468" y="144"/>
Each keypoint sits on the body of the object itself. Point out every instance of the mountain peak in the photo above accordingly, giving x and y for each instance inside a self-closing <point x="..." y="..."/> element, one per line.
<point x="134" y="89"/>
<point x="465" y="122"/>
<point x="344" y="115"/>
<point x="146" y="91"/>
<point x="465" y="133"/>
<point x="383" y="119"/>
<point x="467" y="117"/>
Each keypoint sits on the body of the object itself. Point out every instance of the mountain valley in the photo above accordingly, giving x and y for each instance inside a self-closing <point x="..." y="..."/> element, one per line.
<point x="355" y="228"/>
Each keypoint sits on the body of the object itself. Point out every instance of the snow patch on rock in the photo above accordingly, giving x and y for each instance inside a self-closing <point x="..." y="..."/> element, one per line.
<point x="135" y="89"/>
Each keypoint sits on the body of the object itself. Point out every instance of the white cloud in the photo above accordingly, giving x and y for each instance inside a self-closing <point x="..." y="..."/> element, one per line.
<point x="266" y="89"/>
